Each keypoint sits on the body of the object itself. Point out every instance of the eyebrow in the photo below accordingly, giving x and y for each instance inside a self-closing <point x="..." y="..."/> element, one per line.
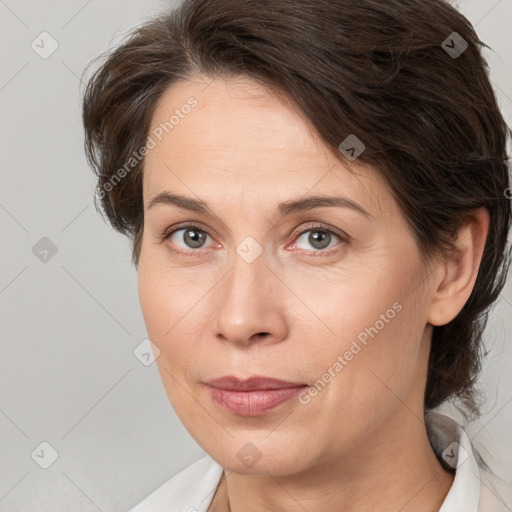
<point x="283" y="209"/>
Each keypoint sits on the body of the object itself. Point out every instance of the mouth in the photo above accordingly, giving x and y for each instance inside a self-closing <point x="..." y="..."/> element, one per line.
<point x="251" y="397"/>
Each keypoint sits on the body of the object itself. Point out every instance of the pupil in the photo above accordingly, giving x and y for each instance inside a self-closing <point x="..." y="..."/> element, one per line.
<point x="317" y="239"/>
<point x="194" y="238"/>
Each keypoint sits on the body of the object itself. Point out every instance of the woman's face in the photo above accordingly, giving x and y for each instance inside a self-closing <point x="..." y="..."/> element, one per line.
<point x="331" y="297"/>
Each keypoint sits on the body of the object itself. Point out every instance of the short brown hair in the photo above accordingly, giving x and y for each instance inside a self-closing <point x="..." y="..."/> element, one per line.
<point x="428" y="118"/>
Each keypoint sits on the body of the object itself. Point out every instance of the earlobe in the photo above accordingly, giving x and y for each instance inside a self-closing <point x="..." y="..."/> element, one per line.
<point x="459" y="270"/>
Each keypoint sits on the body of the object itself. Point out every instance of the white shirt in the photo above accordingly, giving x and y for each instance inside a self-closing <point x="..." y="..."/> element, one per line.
<point x="192" y="489"/>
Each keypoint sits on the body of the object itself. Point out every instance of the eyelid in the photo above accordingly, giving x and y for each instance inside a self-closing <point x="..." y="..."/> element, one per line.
<point x="183" y="225"/>
<point x="320" y="226"/>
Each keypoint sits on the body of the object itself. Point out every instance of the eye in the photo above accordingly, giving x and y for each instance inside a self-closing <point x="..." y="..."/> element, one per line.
<point x="319" y="237"/>
<point x="190" y="239"/>
<point x="187" y="237"/>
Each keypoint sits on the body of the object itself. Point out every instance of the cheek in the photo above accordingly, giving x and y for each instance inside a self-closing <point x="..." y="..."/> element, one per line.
<point x="167" y="309"/>
<point x="174" y="304"/>
<point x="167" y="295"/>
<point x="367" y="371"/>
<point x="373" y="322"/>
<point x="155" y="300"/>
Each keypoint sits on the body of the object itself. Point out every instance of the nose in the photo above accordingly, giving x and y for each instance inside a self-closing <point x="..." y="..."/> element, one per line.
<point x="252" y="305"/>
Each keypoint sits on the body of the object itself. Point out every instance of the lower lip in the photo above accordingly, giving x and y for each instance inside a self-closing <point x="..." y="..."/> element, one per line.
<point x="252" y="403"/>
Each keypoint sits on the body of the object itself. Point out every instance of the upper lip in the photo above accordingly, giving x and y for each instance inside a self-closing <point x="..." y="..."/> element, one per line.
<point x="252" y="383"/>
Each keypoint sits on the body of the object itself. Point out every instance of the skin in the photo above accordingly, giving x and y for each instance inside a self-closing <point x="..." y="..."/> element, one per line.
<point x="360" y="443"/>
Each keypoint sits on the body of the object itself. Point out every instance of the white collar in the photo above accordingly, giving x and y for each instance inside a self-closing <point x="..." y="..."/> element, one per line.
<point x="451" y="443"/>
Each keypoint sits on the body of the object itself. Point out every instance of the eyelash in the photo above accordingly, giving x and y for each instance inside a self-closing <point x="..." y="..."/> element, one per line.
<point x="319" y="227"/>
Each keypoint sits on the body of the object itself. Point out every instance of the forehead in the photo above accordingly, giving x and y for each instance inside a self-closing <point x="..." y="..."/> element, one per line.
<point x="226" y="137"/>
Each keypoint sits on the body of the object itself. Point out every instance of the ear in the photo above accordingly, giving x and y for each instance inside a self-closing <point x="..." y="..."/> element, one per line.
<point x="458" y="271"/>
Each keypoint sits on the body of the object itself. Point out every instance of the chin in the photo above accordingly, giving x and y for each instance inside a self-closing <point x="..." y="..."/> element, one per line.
<point x="257" y="457"/>
<point x="263" y="467"/>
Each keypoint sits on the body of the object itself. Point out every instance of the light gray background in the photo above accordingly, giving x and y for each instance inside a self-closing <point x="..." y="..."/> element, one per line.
<point x="68" y="375"/>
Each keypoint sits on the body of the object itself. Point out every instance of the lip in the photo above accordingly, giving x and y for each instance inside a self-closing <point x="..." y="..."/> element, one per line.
<point x="251" y="397"/>
<point x="257" y="382"/>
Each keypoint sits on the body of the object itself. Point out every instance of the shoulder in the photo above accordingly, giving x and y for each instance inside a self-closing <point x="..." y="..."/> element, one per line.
<point x="495" y="495"/>
<point x="190" y="490"/>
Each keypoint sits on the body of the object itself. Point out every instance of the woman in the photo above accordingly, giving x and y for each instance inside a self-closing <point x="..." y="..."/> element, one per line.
<point x="316" y="192"/>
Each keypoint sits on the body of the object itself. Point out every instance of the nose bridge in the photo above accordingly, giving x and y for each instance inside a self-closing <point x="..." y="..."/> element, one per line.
<point x="246" y="286"/>
<point x="248" y="304"/>
<point x="249" y="276"/>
